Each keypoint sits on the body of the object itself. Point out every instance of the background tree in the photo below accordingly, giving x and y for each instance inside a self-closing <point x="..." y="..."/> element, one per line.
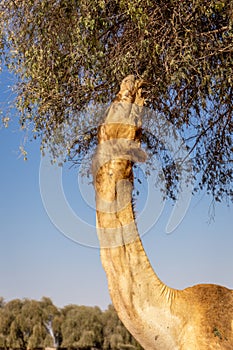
<point x="37" y="337"/>
<point x="56" y="324"/>
<point x="30" y="316"/>
<point x="69" y="54"/>
<point x="115" y="334"/>
<point x="82" y="327"/>
<point x="10" y="331"/>
<point x="29" y="324"/>
<point x="51" y="322"/>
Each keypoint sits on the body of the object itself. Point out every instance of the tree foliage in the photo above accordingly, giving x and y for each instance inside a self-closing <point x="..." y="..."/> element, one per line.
<point x="24" y="324"/>
<point x="115" y="334"/>
<point x="82" y="327"/>
<point x="69" y="54"/>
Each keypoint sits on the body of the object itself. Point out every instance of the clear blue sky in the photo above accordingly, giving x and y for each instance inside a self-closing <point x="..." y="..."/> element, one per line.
<point x="37" y="260"/>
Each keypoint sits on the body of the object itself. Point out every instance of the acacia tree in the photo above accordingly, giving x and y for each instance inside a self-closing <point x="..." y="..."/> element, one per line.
<point x="68" y="54"/>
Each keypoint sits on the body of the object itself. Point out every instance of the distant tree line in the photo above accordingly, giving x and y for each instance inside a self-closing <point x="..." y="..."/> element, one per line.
<point x="31" y="324"/>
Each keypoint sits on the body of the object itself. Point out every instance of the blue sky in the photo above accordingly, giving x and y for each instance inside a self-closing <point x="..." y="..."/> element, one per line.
<point x="36" y="259"/>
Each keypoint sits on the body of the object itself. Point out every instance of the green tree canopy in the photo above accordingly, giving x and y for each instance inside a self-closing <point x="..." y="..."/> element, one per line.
<point x="11" y="334"/>
<point x="82" y="327"/>
<point x="69" y="54"/>
<point x="24" y="323"/>
<point x="116" y="336"/>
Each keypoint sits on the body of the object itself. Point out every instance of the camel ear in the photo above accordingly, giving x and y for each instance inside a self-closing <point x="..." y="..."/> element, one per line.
<point x="139" y="83"/>
<point x="139" y="99"/>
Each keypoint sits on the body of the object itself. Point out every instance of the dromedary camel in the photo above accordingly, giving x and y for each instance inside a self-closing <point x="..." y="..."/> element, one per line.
<point x="159" y="317"/>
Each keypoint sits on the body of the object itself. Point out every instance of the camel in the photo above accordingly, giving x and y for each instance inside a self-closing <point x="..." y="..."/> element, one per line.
<point x="159" y="317"/>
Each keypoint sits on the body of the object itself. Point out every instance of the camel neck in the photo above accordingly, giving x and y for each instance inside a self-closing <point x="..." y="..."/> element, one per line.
<point x="131" y="278"/>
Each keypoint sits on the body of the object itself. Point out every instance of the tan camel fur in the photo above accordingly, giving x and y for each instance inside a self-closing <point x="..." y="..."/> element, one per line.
<point x="159" y="317"/>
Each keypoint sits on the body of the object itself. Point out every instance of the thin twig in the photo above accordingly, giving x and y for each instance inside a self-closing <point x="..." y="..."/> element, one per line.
<point x="214" y="31"/>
